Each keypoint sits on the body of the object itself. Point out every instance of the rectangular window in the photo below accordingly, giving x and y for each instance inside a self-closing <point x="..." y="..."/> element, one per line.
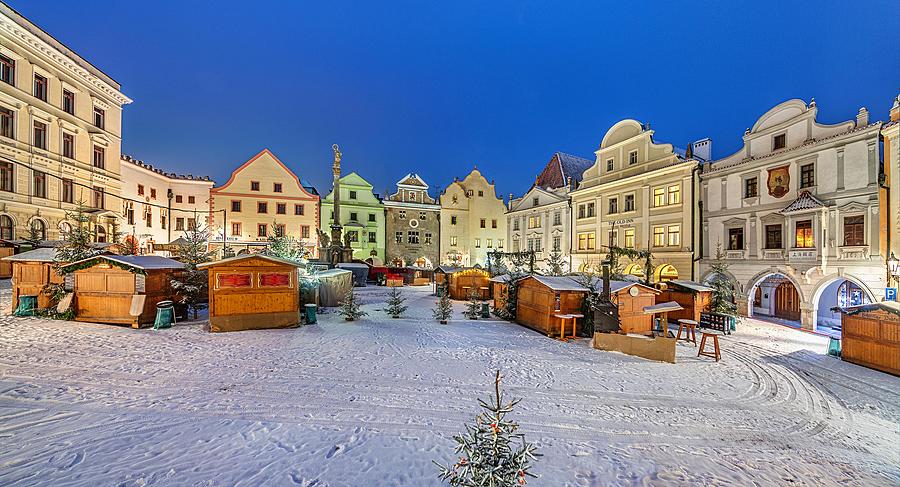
<point x="659" y="236"/>
<point x="40" y="135"/>
<point x="262" y="230"/>
<point x="281" y="208"/>
<point x="254" y="185"/>
<point x="179" y="225"/>
<point x="534" y="221"/>
<point x="477" y="243"/>
<point x="372" y="217"/>
<point x="629" y="202"/>
<point x="7" y="70"/>
<point x="352" y="195"/>
<point x="162" y="221"/>
<point x="674" y="235"/>
<point x="6" y="123"/>
<point x="148" y="217"/>
<point x="68" y="145"/>
<point x="192" y="200"/>
<point x="613" y="238"/>
<point x="581" y="212"/>
<point x="262" y="207"/>
<point x="779" y="141"/>
<point x="68" y="102"/>
<point x="140" y="190"/>
<point x="807" y="175"/>
<point x="453" y="241"/>
<point x="153" y="193"/>
<point x="494" y="223"/>
<point x="99" y="118"/>
<point x="40" y="87"/>
<point x="735" y="239"/>
<point x="427" y="238"/>
<point x="304" y="231"/>
<point x="99" y="197"/>
<point x="659" y="197"/>
<point x="804" y="235"/>
<point x="629" y="238"/>
<point x="515" y="247"/>
<point x="279" y="229"/>
<point x="422" y="216"/>
<point x="373" y="237"/>
<point x="490" y="243"/>
<point x="499" y="243"/>
<point x="483" y="223"/>
<point x="557" y="218"/>
<point x="632" y="157"/>
<point x="773" y="237"/>
<point x="68" y="191"/>
<point x="398" y="237"/>
<point x="178" y="198"/>
<point x="6" y="176"/>
<point x="276" y="187"/>
<point x="235" y="228"/>
<point x="480" y="193"/>
<point x="610" y="164"/>
<point x="535" y="201"/>
<point x="854" y="231"/>
<point x="412" y="236"/>
<point x="674" y="194"/>
<point x="751" y="188"/>
<point x="129" y="216"/>
<point x="40" y="184"/>
<point x="613" y="206"/>
<point x="353" y="236"/>
<point x="99" y="157"/>
<point x="298" y="209"/>
<point x="557" y="240"/>
<point x="353" y="216"/>
<point x="403" y="216"/>
<point x="516" y="224"/>
<point x="236" y="206"/>
<point x="590" y="209"/>
<point x="586" y="241"/>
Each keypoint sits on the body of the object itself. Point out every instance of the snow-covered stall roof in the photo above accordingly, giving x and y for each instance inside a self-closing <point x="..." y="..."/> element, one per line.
<point x="889" y="306"/>
<point x="690" y="285"/>
<point x="142" y="262"/>
<point x="239" y="258"/>
<point x="560" y="283"/>
<point x="36" y="255"/>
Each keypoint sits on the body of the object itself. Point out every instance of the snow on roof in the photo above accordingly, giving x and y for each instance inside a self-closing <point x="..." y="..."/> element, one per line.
<point x="693" y="286"/>
<point x="500" y="278"/>
<point x="41" y="254"/>
<point x="143" y="262"/>
<point x="332" y="272"/>
<point x="662" y="308"/>
<point x="804" y="201"/>
<point x="889" y="306"/>
<point x="560" y="283"/>
<point x="237" y="258"/>
<point x="573" y="166"/>
<point x="352" y="265"/>
<point x="616" y="286"/>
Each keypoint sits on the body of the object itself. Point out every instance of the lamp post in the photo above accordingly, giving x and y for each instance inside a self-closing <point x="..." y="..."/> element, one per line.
<point x="893" y="265"/>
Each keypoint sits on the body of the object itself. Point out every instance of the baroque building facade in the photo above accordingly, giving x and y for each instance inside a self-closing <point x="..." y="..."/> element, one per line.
<point x="263" y="197"/>
<point x="540" y="220"/>
<point x="362" y="218"/>
<point x="796" y="211"/>
<point x="638" y="195"/>
<point x="158" y="206"/>
<point x="473" y="221"/>
<point x="60" y="134"/>
<point x="412" y="224"/>
<point x="889" y="193"/>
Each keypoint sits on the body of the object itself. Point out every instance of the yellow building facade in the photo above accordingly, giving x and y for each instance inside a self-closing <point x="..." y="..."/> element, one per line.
<point x="263" y="198"/>
<point x="473" y="221"/>
<point x="60" y="134"/>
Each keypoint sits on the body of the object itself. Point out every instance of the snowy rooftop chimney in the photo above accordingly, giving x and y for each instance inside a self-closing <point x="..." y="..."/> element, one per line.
<point x="703" y="149"/>
<point x="862" y="118"/>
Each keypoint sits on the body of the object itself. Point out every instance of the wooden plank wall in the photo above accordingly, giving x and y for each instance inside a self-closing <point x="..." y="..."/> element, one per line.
<point x="872" y="340"/>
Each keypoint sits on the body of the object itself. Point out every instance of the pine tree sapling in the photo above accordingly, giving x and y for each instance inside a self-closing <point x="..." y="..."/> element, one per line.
<point x="488" y="455"/>
<point x="473" y="306"/>
<point x="443" y="308"/>
<point x="350" y="307"/>
<point x="77" y="243"/>
<point x="722" y="299"/>
<point x="556" y="265"/>
<point x="192" y="284"/>
<point x="395" y="303"/>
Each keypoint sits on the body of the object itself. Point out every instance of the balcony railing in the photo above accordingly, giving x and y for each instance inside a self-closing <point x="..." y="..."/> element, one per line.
<point x="735" y="254"/>
<point x="773" y="254"/>
<point x="853" y="252"/>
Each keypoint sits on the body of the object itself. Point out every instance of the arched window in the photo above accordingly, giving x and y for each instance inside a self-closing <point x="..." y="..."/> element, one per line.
<point x="6" y="227"/>
<point x="101" y="234"/>
<point x="65" y="228"/>
<point x="849" y="294"/>
<point x="668" y="273"/>
<point x="39" y="229"/>
<point x="635" y="270"/>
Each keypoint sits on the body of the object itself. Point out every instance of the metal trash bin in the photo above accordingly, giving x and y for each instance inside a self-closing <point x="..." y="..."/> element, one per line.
<point x="310" y="313"/>
<point x="485" y="310"/>
<point x="165" y="315"/>
<point x="27" y="305"/>
<point x="834" y="347"/>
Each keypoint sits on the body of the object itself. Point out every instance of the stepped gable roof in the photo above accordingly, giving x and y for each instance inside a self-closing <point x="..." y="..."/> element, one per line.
<point x="561" y="167"/>
<point x="805" y="201"/>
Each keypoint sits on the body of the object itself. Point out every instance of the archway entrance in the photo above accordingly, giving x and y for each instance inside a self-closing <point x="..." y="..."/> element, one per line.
<point x="840" y="292"/>
<point x="787" y="302"/>
<point x="775" y="297"/>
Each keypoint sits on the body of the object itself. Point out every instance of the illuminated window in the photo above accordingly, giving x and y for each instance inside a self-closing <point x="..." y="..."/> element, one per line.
<point x="674" y="235"/>
<point x="659" y="196"/>
<point x="804" y="235"/>
<point x="735" y="239"/>
<point x="586" y="241"/>
<point x="659" y="236"/>
<point x="674" y="194"/>
<point x="629" y="238"/>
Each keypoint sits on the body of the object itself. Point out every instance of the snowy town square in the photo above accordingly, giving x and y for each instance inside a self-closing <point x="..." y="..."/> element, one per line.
<point x="374" y="401"/>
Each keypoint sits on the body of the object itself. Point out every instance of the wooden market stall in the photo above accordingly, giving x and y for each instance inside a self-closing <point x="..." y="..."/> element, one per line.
<point x="499" y="289"/>
<point x="631" y="298"/>
<point x="870" y="336"/>
<point x="693" y="297"/>
<point x="540" y="298"/>
<point x="7" y="248"/>
<point x="462" y="280"/>
<point x="31" y="272"/>
<point x="442" y="273"/>
<point x="418" y="276"/>
<point x="251" y="292"/>
<point x="121" y="289"/>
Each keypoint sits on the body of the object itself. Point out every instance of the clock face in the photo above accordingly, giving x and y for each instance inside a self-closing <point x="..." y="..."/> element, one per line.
<point x="633" y="291"/>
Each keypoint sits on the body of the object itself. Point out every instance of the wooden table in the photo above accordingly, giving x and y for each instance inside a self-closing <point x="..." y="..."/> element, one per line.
<point x="690" y="330"/>
<point x="562" y="325"/>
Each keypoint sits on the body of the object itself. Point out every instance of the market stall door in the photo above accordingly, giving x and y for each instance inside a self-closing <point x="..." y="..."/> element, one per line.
<point x="787" y="302"/>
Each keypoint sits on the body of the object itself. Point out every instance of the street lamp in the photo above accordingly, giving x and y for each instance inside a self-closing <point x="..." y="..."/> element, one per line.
<point x="893" y="264"/>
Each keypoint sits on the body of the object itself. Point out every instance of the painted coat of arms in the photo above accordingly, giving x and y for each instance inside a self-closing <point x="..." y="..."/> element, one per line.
<point x="779" y="181"/>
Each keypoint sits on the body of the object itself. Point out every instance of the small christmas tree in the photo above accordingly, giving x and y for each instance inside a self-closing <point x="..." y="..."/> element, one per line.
<point x="556" y="265"/>
<point x="35" y="234"/>
<point x="722" y="299"/>
<point x="350" y="307"/>
<point x="473" y="306"/>
<point x="395" y="303"/>
<point x="443" y="308"/>
<point x="286" y="247"/>
<point x="77" y="243"/>
<point x="192" y="285"/>
<point x="488" y="455"/>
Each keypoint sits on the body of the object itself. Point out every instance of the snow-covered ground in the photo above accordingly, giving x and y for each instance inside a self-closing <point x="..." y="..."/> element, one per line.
<point x="373" y="402"/>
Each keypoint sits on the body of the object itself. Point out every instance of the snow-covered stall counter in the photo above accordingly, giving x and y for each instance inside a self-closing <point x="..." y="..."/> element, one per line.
<point x="693" y="297"/>
<point x="251" y="292"/>
<point x="121" y="289"/>
<point x="540" y="298"/>
<point x="31" y="272"/>
<point x="870" y="336"/>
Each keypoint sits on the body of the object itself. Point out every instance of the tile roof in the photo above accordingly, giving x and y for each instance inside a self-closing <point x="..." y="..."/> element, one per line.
<point x="573" y="166"/>
<point x="805" y="201"/>
<point x="561" y="167"/>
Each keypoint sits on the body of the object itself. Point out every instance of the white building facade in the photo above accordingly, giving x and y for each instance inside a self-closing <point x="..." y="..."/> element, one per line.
<point x="796" y="212"/>
<point x="158" y="207"/>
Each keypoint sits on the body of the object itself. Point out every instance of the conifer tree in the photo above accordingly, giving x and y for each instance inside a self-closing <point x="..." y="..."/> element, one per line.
<point x="473" y="306"/>
<point x="192" y="285"/>
<point x="286" y="247"/>
<point x="488" y="454"/>
<point x="395" y="303"/>
<point x="556" y="265"/>
<point x="77" y="243"/>
<point x="350" y="308"/>
<point x="34" y="235"/>
<point x="722" y="299"/>
<point x="443" y="308"/>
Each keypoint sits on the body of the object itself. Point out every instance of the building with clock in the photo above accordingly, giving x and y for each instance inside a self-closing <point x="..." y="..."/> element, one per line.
<point x="412" y="225"/>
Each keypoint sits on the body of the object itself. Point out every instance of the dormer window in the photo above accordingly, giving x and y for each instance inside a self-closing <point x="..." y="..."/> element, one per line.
<point x="610" y="163"/>
<point x="632" y="158"/>
<point x="779" y="142"/>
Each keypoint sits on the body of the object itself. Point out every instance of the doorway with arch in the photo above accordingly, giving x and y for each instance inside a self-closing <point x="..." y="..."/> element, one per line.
<point x="775" y="296"/>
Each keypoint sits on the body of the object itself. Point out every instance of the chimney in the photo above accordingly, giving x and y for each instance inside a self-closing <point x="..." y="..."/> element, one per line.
<point x="702" y="149"/>
<point x="510" y="197"/>
<point x="895" y="110"/>
<point x="862" y="118"/>
<point x="569" y="182"/>
<point x="689" y="152"/>
<point x="607" y="293"/>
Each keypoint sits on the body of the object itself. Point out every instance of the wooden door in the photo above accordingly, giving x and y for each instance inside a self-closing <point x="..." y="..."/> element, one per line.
<point x="6" y="266"/>
<point x="787" y="302"/>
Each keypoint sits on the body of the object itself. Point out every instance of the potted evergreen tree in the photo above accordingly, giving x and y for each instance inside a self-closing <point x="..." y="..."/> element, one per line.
<point x="396" y="303"/>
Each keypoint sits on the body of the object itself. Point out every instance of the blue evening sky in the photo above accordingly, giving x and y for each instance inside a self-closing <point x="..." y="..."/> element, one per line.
<point x="437" y="87"/>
